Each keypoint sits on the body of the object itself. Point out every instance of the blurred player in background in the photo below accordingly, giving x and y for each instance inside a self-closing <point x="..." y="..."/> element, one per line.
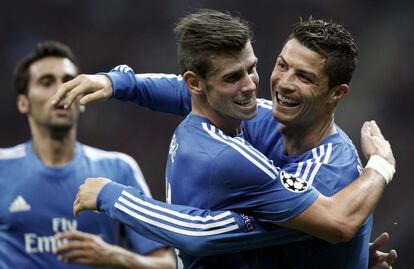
<point x="39" y="180"/>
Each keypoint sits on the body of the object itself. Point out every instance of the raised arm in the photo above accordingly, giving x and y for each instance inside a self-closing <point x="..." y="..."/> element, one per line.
<point x="159" y="92"/>
<point x="339" y="217"/>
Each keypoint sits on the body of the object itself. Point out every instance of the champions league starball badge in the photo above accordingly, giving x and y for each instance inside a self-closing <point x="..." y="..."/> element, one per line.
<point x="292" y="183"/>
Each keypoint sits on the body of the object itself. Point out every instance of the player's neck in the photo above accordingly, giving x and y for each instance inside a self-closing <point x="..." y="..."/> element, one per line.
<point x="300" y="139"/>
<point x="228" y="125"/>
<point x="54" y="149"/>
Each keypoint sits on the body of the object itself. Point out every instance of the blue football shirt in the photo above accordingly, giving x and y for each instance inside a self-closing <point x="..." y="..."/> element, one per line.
<point x="37" y="203"/>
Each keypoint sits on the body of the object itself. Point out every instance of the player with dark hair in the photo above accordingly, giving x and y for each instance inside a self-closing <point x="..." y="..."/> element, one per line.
<point x="39" y="180"/>
<point x="212" y="166"/>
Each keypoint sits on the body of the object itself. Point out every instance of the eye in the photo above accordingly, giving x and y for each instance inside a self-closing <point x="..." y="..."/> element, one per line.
<point x="233" y="78"/>
<point x="305" y="78"/>
<point x="281" y="65"/>
<point x="46" y="81"/>
<point x="252" y="69"/>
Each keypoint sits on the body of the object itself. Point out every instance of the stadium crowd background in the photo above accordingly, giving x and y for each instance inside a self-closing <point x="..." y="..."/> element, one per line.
<point x="139" y="33"/>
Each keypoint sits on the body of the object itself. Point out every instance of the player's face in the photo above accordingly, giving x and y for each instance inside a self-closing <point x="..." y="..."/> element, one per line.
<point x="299" y="86"/>
<point x="46" y="76"/>
<point x="231" y="88"/>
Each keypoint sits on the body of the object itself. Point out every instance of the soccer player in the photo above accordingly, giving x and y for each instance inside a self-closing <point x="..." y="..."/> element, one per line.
<point x="39" y="180"/>
<point x="211" y="166"/>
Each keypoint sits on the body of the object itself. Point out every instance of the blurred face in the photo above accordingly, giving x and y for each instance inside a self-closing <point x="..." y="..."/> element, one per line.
<point x="46" y="76"/>
<point x="231" y="87"/>
<point x="299" y="86"/>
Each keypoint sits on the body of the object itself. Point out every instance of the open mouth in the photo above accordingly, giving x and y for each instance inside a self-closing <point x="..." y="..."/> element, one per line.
<point x="286" y="101"/>
<point x="246" y="102"/>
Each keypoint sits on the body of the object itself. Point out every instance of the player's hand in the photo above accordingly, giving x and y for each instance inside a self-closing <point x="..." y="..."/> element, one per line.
<point x="85" y="248"/>
<point x="379" y="259"/>
<point x="90" y="88"/>
<point x="88" y="194"/>
<point x="374" y="143"/>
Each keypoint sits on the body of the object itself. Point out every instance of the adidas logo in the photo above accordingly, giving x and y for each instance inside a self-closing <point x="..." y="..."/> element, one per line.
<point x="19" y="205"/>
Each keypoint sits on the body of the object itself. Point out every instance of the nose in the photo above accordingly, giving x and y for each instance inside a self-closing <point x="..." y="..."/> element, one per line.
<point x="250" y="82"/>
<point x="286" y="81"/>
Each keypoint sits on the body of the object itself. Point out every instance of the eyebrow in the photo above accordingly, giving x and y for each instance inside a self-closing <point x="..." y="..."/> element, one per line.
<point x="47" y="75"/>
<point x="237" y="71"/>
<point x="50" y="76"/>
<point x="302" y="71"/>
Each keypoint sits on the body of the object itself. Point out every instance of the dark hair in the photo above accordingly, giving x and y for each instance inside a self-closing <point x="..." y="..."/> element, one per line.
<point x="208" y="33"/>
<point x="42" y="50"/>
<point x="333" y="42"/>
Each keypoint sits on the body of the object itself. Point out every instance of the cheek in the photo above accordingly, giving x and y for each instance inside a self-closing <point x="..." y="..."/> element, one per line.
<point x="274" y="78"/>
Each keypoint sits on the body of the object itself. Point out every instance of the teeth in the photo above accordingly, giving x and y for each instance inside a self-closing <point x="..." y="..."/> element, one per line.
<point x="245" y="102"/>
<point x="286" y="100"/>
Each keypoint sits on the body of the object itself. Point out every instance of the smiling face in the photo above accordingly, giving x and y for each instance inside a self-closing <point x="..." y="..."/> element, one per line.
<point x="45" y="77"/>
<point x="230" y="89"/>
<point x="299" y="86"/>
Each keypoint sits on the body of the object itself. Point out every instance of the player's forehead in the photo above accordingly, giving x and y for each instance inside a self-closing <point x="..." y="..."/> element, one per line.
<point x="233" y="61"/>
<point x="301" y="57"/>
<point x="52" y="66"/>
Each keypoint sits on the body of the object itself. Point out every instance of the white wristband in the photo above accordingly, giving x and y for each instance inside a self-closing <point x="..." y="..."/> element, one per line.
<point x="382" y="166"/>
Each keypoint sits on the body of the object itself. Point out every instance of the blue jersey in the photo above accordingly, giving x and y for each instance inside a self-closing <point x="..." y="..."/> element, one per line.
<point x="329" y="167"/>
<point x="210" y="170"/>
<point x="37" y="203"/>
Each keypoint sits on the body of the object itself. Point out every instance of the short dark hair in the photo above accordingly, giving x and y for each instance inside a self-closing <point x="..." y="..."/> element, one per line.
<point x="42" y="50"/>
<point x="333" y="42"/>
<point x="207" y="33"/>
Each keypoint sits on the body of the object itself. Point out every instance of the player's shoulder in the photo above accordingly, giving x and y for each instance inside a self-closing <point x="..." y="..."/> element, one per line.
<point x="13" y="153"/>
<point x="97" y="154"/>
<point x="264" y="108"/>
<point x="237" y="153"/>
<point x="343" y="149"/>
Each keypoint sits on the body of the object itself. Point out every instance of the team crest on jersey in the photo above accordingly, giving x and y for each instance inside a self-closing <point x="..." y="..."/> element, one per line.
<point x="292" y="183"/>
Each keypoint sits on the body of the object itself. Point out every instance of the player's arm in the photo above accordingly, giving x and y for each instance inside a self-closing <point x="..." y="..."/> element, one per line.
<point x="196" y="231"/>
<point x="90" y="249"/>
<point x="339" y="217"/>
<point x="159" y="92"/>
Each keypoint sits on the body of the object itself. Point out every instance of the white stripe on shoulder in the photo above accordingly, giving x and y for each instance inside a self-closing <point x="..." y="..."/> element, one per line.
<point x="98" y="154"/>
<point x="245" y="150"/>
<point x="264" y="103"/>
<point x="18" y="151"/>
<point x="158" y="75"/>
<point x="325" y="153"/>
<point x="320" y="156"/>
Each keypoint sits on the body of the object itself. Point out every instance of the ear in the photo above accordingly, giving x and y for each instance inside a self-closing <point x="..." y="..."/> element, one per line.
<point x="22" y="103"/>
<point x="193" y="83"/>
<point x="339" y="92"/>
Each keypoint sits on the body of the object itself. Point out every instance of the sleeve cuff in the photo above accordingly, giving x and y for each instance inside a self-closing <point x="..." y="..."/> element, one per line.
<point x="109" y="195"/>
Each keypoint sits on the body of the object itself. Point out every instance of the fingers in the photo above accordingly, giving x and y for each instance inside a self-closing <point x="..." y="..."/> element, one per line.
<point x="89" y="98"/>
<point x="76" y="206"/>
<point x="74" y="235"/>
<point x="375" y="130"/>
<point x="366" y="129"/>
<point x="381" y="240"/>
<point x="71" y="97"/>
<point x="70" y="246"/>
<point x="75" y="256"/>
<point x="391" y="257"/>
<point x="64" y="89"/>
